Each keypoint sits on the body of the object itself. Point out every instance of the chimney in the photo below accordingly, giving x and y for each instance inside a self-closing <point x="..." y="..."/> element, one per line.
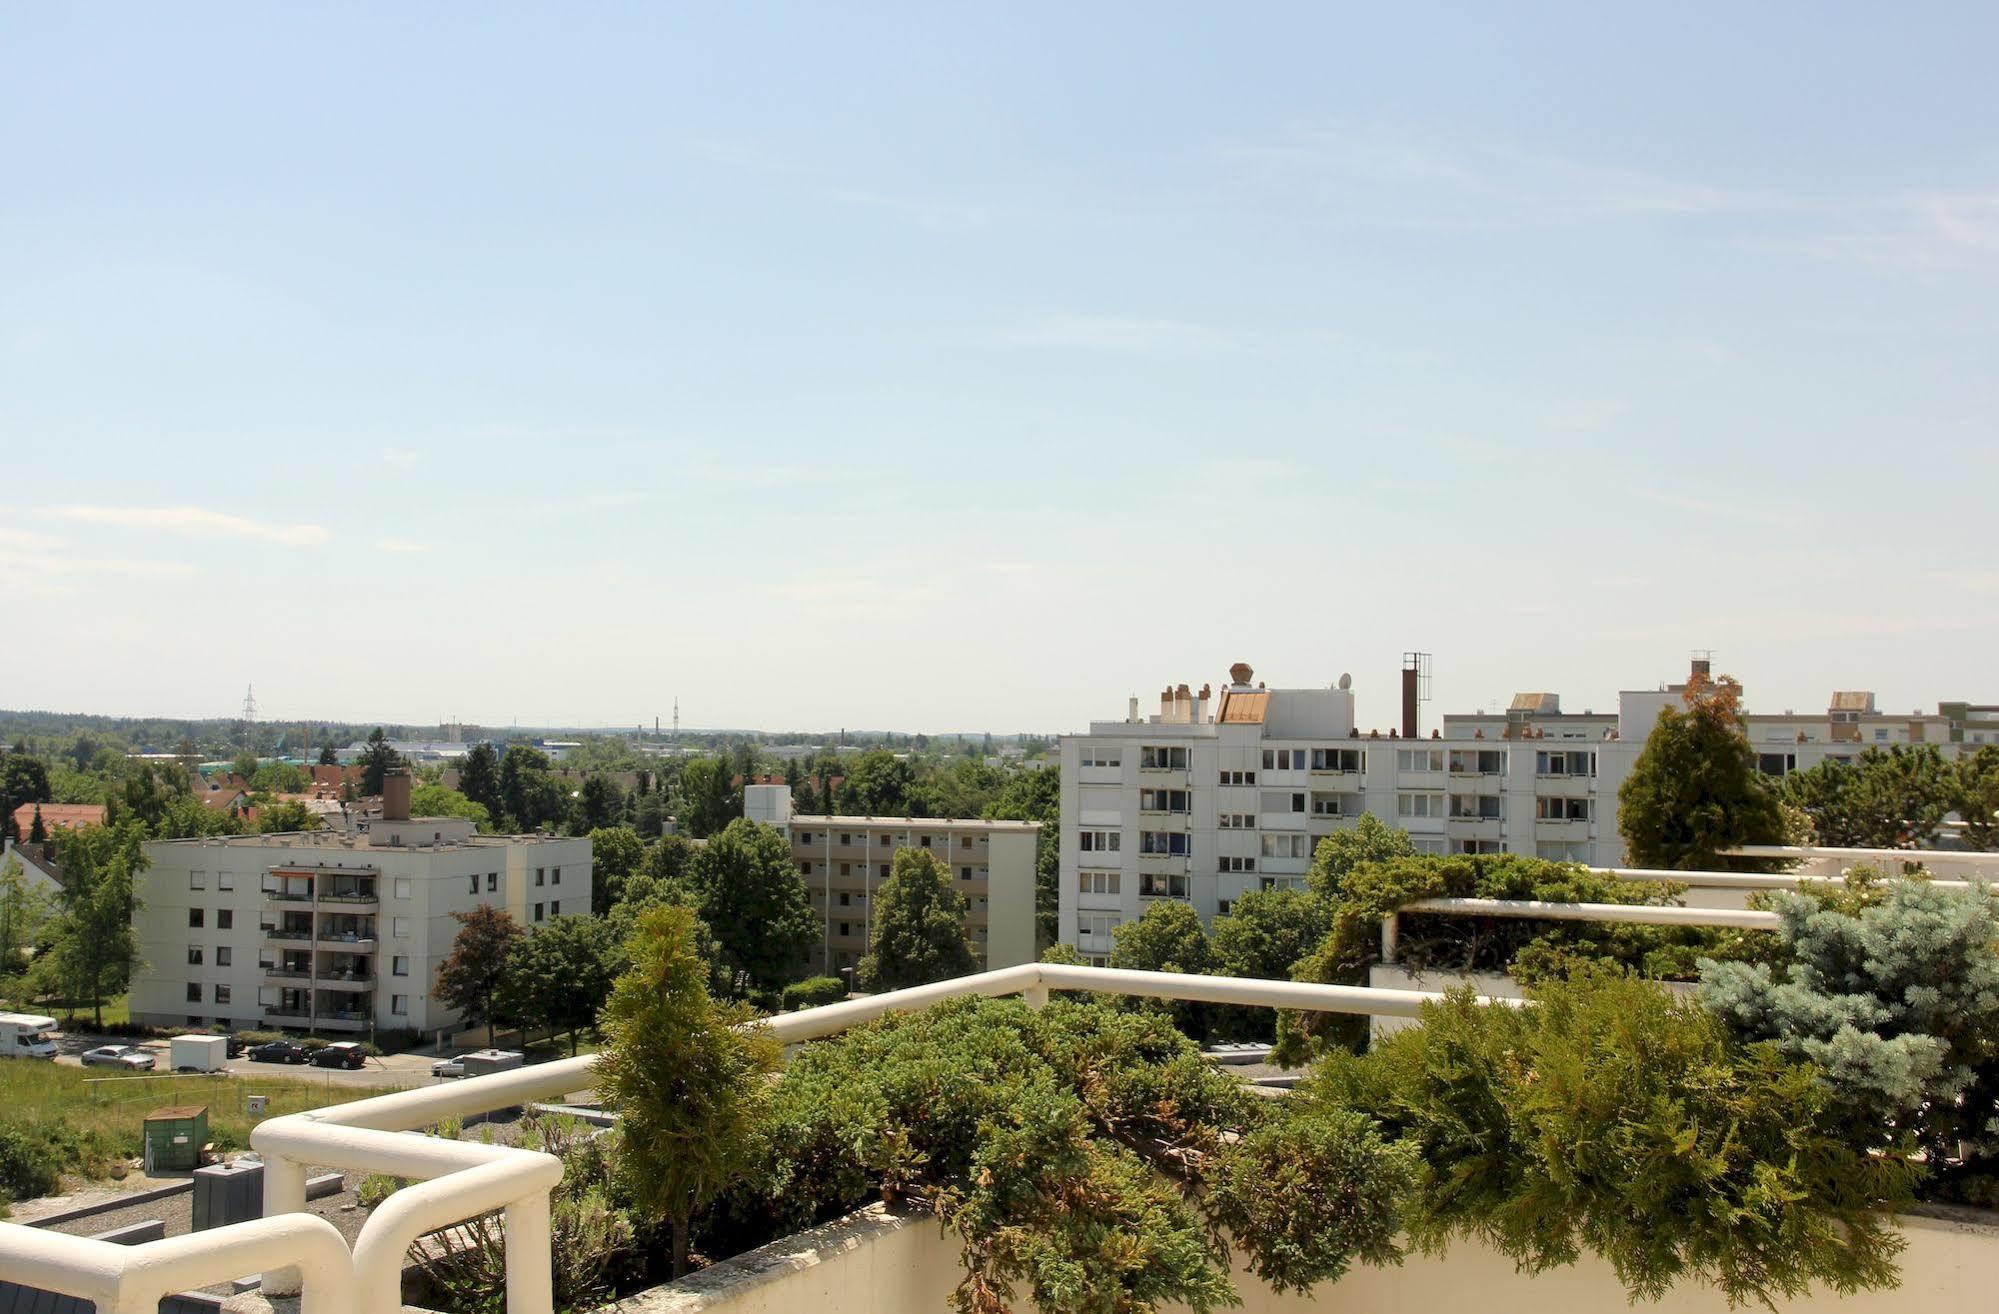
<point x="396" y="795"/>
<point x="1131" y="710"/>
<point x="1703" y="667"/>
<point x="1240" y="674"/>
<point x="1409" y="675"/>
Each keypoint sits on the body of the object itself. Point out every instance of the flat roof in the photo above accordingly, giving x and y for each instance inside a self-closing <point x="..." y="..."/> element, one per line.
<point x="919" y="823"/>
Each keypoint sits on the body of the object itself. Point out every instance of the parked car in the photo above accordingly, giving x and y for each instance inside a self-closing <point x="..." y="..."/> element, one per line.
<point x="118" y="1056"/>
<point x="448" y="1068"/>
<point x="340" y="1054"/>
<point x="278" y="1051"/>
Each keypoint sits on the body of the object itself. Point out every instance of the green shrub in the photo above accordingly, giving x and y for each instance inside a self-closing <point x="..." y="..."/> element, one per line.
<point x="377" y="1187"/>
<point x="1082" y="1153"/>
<point x="30" y="1165"/>
<point x="1615" y="1119"/>
<point x="813" y="992"/>
<point x="313" y="1042"/>
<point x="1893" y="991"/>
<point x="248" y="1038"/>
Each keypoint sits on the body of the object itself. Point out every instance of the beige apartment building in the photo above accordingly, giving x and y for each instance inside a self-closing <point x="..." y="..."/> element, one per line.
<point x="844" y="859"/>
<point x="338" y="934"/>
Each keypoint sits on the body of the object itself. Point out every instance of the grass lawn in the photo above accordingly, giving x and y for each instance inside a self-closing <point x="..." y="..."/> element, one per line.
<point x="117" y="1011"/>
<point x="98" y="1117"/>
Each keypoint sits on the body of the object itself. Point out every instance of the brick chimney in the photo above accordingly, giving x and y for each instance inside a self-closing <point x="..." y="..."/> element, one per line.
<point x="396" y="794"/>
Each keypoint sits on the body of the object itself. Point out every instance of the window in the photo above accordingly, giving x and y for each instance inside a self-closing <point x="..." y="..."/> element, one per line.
<point x="1096" y="925"/>
<point x="804" y="837"/>
<point x="1224" y="905"/>
<point x="1099" y="841"/>
<point x="399" y="965"/>
<point x="1419" y="805"/>
<point x="1162" y="885"/>
<point x="1562" y="809"/>
<point x="224" y="957"/>
<point x="1475" y="846"/>
<point x="225" y="880"/>
<point x="1558" y="763"/>
<point x="401" y="926"/>
<point x="399" y="1005"/>
<point x="1287" y="846"/>
<point x="1419" y="759"/>
<point x="1097" y="882"/>
<point x="1777" y="764"/>
<point x="1337" y="805"/>
<point x="225" y="919"/>
<point x="538" y="911"/>
<point x="1283" y="759"/>
<point x="1880" y="735"/>
<point x="884" y="871"/>
<point x="197" y="880"/>
<point x="1236" y="821"/>
<point x="194" y="994"/>
<point x="540" y="876"/>
<point x="475" y="882"/>
<point x="222" y="994"/>
<point x="196" y="917"/>
<point x="1475" y="807"/>
<point x="965" y="841"/>
<point x="492" y="881"/>
<point x="1163" y="800"/>
<point x="1336" y="759"/>
<point x="194" y="955"/>
<point x="846" y="838"/>
<point x="846" y="928"/>
<point x="1280" y="801"/>
<point x="1102" y="757"/>
<point x="555" y="908"/>
<point x="1236" y="864"/>
<point x="1162" y="759"/>
<point x="555" y="875"/>
<point x="846" y="898"/>
<point x="1478" y="762"/>
<point x="804" y="869"/>
<point x="964" y="873"/>
<point x="926" y="841"/>
<point x="402" y="887"/>
<point x="1168" y="843"/>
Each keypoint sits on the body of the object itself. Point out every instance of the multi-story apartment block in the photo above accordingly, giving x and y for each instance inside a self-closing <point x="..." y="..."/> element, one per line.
<point x="332" y="933"/>
<point x="845" y="859"/>
<point x="1218" y="795"/>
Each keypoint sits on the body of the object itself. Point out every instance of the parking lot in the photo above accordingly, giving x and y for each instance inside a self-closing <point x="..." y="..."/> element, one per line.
<point x="390" y="1070"/>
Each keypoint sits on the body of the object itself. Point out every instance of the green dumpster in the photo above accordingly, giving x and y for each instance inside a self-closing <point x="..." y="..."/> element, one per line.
<point x="174" y="1137"/>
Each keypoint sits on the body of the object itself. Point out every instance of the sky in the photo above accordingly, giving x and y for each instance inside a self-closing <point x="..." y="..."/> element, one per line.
<point x="954" y="367"/>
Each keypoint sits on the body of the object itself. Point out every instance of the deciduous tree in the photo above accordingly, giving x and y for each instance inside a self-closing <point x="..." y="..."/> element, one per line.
<point x="754" y="900"/>
<point x="470" y="978"/>
<point x="559" y="974"/>
<point x="917" y="932"/>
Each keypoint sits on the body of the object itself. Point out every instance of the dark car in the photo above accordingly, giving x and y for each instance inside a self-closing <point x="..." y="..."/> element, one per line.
<point x="279" y="1051"/>
<point x="340" y="1054"/>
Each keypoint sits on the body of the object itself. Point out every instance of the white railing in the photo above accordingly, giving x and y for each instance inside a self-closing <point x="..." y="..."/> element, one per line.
<point x="1733" y="880"/>
<point x="1968" y="862"/>
<point x="460" y="1180"/>
<point x="1648" y="914"/>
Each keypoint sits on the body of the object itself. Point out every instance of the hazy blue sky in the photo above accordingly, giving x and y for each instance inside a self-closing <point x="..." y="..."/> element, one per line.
<point x="871" y="366"/>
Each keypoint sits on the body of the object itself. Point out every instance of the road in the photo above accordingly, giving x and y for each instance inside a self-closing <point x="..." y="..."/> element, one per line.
<point x="390" y="1070"/>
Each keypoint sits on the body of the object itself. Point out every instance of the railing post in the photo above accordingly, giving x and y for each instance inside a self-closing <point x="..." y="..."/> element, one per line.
<point x="530" y="1275"/>
<point x="284" y="1193"/>
<point x="1390" y="930"/>
<point x="1036" y="995"/>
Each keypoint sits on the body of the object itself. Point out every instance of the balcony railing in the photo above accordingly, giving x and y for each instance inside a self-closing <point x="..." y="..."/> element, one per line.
<point x="288" y="896"/>
<point x="289" y="973"/>
<point x="285" y="933"/>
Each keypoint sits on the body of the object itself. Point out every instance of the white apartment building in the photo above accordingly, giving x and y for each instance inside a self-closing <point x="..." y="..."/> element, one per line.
<point x="844" y="859"/>
<point x="1217" y="795"/>
<point x="332" y="933"/>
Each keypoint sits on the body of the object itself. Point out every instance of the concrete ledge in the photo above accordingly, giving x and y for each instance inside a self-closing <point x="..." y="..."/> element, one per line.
<point x="778" y="1276"/>
<point x="125" y="1201"/>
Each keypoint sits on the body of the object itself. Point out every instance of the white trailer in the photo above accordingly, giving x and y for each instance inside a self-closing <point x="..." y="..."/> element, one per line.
<point x="198" y="1053"/>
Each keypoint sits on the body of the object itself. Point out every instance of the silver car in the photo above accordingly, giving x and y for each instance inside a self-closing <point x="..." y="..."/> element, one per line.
<point x="129" y="1057"/>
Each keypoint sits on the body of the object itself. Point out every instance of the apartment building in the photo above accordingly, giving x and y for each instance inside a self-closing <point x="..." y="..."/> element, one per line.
<point x="845" y="859"/>
<point x="1220" y="794"/>
<point x="332" y="933"/>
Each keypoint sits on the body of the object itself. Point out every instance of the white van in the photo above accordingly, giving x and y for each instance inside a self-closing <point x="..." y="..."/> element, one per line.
<point x="27" y="1035"/>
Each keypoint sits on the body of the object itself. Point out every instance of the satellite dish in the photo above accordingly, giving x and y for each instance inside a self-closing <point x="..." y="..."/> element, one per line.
<point x="1346" y="680"/>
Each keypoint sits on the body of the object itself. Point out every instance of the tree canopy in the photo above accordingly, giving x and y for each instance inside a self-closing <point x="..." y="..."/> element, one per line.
<point x="1893" y="798"/>
<point x="472" y="975"/>
<point x="1694" y="790"/>
<point x="752" y="897"/>
<point x="917" y="931"/>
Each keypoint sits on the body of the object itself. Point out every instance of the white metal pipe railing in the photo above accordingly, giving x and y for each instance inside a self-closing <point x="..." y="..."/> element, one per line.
<point x="1649" y="914"/>
<point x="1728" y="880"/>
<point x="1971" y="860"/>
<point x="133" y="1279"/>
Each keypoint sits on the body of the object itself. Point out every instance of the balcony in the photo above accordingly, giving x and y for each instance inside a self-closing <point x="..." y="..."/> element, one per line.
<point x="281" y="895"/>
<point x="344" y="942"/>
<point x="350" y="894"/>
<point x="350" y="982"/>
<point x="287" y="1014"/>
<point x="351" y="1020"/>
<point x="286" y="933"/>
<point x="286" y="973"/>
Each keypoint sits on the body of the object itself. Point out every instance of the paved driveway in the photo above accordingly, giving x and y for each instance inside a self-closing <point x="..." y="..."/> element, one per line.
<point x="390" y="1070"/>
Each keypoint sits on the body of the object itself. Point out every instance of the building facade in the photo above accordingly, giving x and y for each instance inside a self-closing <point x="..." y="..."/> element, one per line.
<point x="333" y="934"/>
<point x="1221" y="794"/>
<point x="844" y="859"/>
